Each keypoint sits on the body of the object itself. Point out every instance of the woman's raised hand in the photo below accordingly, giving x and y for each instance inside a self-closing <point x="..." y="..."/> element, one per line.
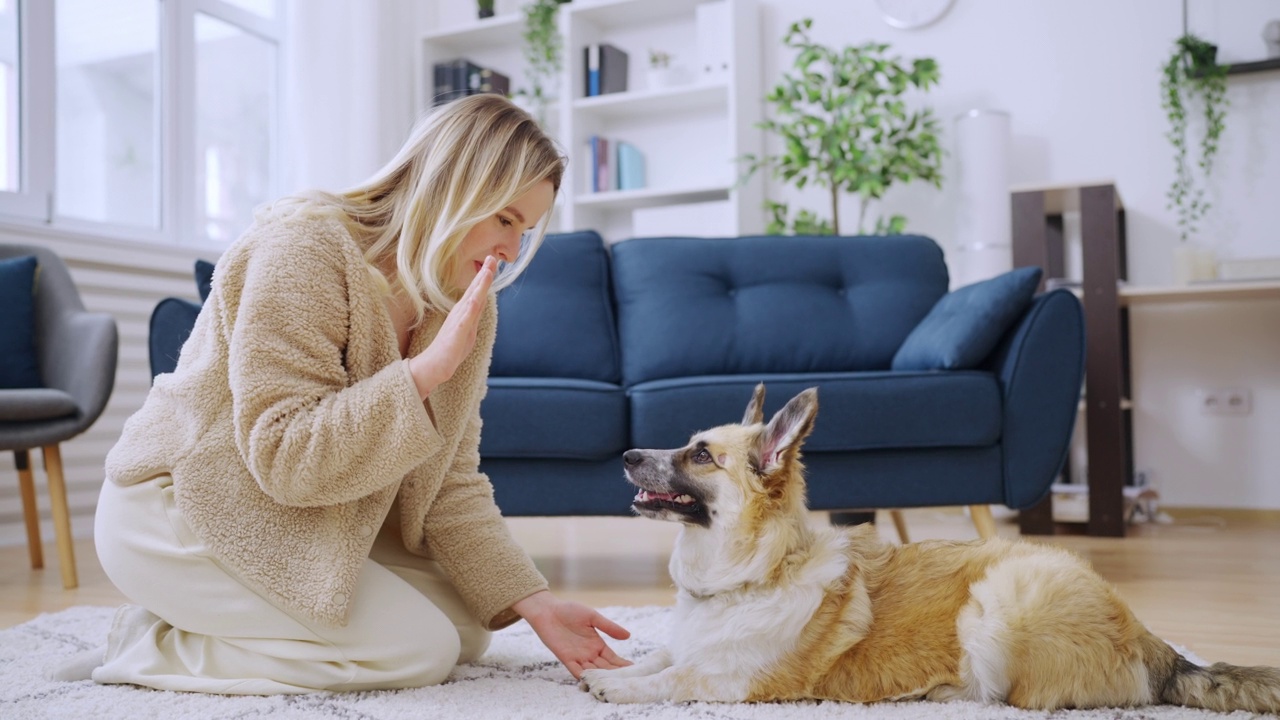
<point x="438" y="362"/>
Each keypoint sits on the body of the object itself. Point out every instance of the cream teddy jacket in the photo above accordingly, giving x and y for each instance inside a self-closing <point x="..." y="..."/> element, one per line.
<point x="291" y="425"/>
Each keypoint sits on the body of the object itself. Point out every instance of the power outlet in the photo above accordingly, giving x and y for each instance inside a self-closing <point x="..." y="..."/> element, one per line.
<point x="1226" y="401"/>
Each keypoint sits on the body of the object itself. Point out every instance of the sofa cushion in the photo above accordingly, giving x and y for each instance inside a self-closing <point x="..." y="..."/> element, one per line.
<point x="553" y="418"/>
<point x="965" y="325"/>
<point x="34" y="404"/>
<point x="856" y="411"/>
<point x="556" y="320"/>
<point x="19" y="363"/>
<point x="729" y="306"/>
<point x="204" y="278"/>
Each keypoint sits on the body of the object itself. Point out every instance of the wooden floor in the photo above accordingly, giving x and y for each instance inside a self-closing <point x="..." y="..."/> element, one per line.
<point x="1210" y="581"/>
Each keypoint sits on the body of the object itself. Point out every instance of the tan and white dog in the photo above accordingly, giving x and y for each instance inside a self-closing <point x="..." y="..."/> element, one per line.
<point x="772" y="606"/>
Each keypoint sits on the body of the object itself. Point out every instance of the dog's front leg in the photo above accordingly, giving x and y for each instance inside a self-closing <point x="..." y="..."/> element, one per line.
<point x="649" y="680"/>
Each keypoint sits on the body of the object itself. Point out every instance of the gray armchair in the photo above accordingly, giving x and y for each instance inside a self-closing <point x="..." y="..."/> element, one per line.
<point x="77" y="360"/>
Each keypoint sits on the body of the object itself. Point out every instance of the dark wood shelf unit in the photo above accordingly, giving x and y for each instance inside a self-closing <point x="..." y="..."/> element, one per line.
<point x="1253" y="67"/>
<point x="1038" y="240"/>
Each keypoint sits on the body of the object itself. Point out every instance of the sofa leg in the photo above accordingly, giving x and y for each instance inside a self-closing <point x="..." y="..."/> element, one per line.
<point x="900" y="523"/>
<point x="983" y="520"/>
<point x="30" y="512"/>
<point x="61" y="515"/>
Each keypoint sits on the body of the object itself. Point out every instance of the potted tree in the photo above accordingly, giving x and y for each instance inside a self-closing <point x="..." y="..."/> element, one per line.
<point x="844" y="124"/>
<point x="485" y="8"/>
<point x="1192" y="82"/>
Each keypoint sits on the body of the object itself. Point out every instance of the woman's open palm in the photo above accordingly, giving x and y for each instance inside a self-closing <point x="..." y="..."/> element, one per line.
<point x="440" y="360"/>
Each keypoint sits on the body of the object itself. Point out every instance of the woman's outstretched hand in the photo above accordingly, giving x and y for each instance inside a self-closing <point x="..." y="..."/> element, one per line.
<point x="571" y="632"/>
<point x="457" y="336"/>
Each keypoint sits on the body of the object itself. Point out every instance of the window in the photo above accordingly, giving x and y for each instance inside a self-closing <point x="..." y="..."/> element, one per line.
<point x="10" y="100"/>
<point x="235" y="84"/>
<point x="159" y="115"/>
<point x="107" y="147"/>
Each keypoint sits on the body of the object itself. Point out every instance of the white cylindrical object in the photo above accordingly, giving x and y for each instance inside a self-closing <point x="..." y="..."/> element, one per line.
<point x="984" y="245"/>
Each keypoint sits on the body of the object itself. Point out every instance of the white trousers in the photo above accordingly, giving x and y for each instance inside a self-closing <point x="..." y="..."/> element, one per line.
<point x="195" y="627"/>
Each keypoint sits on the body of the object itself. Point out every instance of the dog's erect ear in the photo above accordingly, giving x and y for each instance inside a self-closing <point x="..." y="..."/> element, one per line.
<point x="755" y="408"/>
<point x="787" y="430"/>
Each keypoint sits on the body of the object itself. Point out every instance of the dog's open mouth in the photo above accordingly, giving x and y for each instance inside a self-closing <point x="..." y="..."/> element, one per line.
<point x="680" y="502"/>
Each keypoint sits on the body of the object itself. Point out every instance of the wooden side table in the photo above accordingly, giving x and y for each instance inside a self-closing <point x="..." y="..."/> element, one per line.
<point x="1037" y="240"/>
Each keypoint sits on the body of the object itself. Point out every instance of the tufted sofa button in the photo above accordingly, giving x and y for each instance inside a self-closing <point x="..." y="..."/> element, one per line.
<point x="339" y="598"/>
<point x="366" y="530"/>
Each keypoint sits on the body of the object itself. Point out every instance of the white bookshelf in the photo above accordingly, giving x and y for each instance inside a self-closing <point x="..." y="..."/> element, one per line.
<point x="690" y="135"/>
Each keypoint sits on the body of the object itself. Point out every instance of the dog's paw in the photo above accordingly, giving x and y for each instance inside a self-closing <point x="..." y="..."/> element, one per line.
<point x="605" y="687"/>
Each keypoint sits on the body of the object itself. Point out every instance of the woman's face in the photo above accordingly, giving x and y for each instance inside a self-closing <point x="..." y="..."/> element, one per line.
<point x="499" y="235"/>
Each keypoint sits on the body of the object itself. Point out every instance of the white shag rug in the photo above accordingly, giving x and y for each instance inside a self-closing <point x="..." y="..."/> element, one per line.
<point x="517" y="678"/>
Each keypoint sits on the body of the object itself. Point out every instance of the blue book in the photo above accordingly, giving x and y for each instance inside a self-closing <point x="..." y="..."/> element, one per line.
<point x="591" y="63"/>
<point x="630" y="166"/>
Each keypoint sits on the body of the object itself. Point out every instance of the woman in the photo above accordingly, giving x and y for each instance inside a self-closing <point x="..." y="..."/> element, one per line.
<point x="297" y="507"/>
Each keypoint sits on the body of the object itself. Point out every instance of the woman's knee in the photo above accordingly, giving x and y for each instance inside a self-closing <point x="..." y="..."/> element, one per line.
<point x="474" y="641"/>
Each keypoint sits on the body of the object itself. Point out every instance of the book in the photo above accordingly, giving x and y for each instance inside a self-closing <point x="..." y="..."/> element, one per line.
<point x="630" y="166"/>
<point x="591" y="71"/>
<point x="461" y="77"/>
<point x="604" y="70"/>
<point x="613" y="70"/>
<point x="492" y="81"/>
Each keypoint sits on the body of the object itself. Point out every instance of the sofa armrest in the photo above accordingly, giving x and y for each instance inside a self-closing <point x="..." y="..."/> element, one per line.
<point x="1040" y="366"/>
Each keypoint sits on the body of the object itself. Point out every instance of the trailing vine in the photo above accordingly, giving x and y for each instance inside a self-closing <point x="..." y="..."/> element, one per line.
<point x="542" y="53"/>
<point x="1190" y="75"/>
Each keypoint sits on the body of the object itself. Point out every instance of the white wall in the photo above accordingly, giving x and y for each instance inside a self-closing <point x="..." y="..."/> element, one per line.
<point x="1080" y="80"/>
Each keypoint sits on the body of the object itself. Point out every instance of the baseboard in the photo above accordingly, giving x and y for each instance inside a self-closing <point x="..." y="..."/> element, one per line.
<point x="1254" y="515"/>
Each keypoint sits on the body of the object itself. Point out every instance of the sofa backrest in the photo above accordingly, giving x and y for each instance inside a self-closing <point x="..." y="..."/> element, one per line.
<point x="557" y="320"/>
<point x="712" y="306"/>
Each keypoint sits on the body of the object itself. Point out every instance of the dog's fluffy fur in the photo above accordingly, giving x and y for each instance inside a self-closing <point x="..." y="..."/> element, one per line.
<point x="773" y="607"/>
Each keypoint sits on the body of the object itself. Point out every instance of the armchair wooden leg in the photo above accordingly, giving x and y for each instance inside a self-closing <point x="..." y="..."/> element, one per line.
<point x="984" y="521"/>
<point x="900" y="523"/>
<point x="61" y="515"/>
<point x="30" y="512"/>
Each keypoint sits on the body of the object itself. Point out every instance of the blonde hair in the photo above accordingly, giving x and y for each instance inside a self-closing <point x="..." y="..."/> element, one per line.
<point x="462" y="164"/>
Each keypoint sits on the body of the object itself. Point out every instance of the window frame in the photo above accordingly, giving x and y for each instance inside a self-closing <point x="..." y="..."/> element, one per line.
<point x="33" y="201"/>
<point x="175" y="113"/>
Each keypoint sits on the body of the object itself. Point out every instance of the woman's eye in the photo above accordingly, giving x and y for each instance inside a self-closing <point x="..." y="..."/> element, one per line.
<point x="505" y="222"/>
<point x="702" y="457"/>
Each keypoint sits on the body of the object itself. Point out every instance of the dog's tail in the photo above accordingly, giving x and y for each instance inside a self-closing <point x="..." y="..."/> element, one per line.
<point x="1219" y="687"/>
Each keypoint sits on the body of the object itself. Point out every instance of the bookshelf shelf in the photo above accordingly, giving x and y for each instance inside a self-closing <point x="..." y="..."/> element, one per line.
<point x="617" y="14"/>
<point x="496" y="31"/>
<point x="652" y="197"/>
<point x="655" y="102"/>
<point x="688" y="136"/>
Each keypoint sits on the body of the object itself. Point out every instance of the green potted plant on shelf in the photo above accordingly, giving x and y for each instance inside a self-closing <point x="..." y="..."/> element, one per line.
<point x="485" y="8"/>
<point x="843" y="120"/>
<point x="542" y="54"/>
<point x="1192" y="80"/>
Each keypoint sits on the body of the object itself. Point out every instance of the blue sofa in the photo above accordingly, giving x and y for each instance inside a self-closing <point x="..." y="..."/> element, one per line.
<point x="639" y="345"/>
<point x="601" y="349"/>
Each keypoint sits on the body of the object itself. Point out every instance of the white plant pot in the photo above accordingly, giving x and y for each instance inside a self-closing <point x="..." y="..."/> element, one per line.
<point x="667" y="77"/>
<point x="1193" y="263"/>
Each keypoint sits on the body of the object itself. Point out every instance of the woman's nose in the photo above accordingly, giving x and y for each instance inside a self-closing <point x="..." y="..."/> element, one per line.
<point x="508" y="249"/>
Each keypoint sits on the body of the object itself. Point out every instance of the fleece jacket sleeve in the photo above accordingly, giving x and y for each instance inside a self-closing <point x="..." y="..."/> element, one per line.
<point x="468" y="536"/>
<point x="308" y="439"/>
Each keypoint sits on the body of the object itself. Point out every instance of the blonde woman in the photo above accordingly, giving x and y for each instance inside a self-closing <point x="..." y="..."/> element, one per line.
<point x="297" y="507"/>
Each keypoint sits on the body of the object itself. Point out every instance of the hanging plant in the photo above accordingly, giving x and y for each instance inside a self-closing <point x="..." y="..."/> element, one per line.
<point x="1190" y="76"/>
<point x="542" y="54"/>
<point x="845" y="127"/>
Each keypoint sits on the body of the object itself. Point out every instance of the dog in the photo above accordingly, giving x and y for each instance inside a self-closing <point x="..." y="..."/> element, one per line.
<point x="773" y="607"/>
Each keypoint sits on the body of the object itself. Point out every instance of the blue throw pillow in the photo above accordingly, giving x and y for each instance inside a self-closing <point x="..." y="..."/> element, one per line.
<point x="19" y="365"/>
<point x="964" y="325"/>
